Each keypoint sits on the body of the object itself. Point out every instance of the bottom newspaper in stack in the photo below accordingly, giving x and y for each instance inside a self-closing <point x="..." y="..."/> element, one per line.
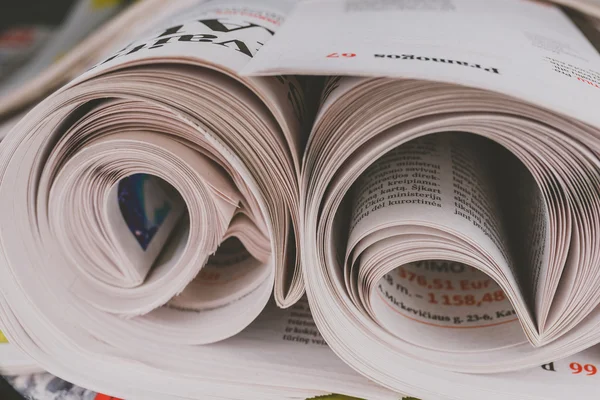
<point x="282" y="355"/>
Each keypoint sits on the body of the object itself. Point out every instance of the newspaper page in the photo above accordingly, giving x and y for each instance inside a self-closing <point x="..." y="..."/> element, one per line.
<point x="439" y="188"/>
<point x="525" y="49"/>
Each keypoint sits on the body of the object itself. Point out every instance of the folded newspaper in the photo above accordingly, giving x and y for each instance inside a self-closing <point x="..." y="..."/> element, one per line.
<point x="437" y="196"/>
<point x="44" y="48"/>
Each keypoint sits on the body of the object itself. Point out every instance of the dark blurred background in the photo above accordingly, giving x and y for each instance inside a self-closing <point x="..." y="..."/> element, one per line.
<point x="16" y="12"/>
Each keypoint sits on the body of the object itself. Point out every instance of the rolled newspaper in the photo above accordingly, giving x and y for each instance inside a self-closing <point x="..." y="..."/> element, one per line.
<point x="41" y="50"/>
<point x="451" y="192"/>
<point x="165" y="216"/>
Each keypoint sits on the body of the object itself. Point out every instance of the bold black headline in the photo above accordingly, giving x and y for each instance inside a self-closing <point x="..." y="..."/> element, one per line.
<point x="174" y="34"/>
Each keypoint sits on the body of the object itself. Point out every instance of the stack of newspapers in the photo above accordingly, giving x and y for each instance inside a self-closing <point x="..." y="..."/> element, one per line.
<point x="278" y="199"/>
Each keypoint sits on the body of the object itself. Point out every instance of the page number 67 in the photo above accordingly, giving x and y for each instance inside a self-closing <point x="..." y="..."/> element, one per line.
<point x="343" y="55"/>
<point x="578" y="368"/>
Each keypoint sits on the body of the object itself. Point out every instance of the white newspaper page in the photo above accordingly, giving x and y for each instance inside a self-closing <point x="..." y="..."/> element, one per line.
<point x="525" y="49"/>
